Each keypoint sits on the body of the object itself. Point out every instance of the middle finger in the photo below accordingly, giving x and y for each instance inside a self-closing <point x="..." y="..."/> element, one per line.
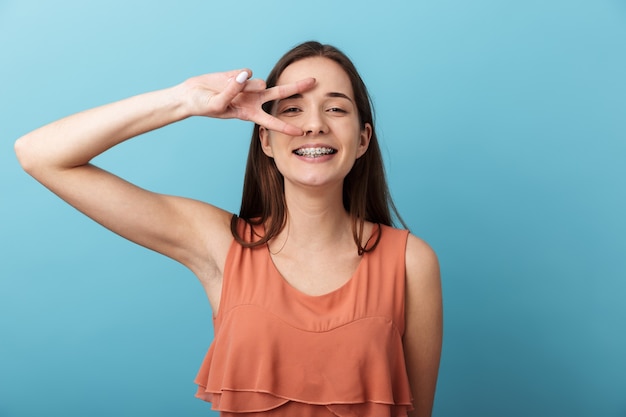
<point x="287" y="90"/>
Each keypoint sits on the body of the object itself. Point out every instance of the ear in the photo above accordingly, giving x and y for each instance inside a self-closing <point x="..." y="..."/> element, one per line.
<point x="264" y="138"/>
<point x="364" y="140"/>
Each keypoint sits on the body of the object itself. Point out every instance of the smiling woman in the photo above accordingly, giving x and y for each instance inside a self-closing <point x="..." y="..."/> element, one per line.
<point x="318" y="158"/>
<point x="321" y="307"/>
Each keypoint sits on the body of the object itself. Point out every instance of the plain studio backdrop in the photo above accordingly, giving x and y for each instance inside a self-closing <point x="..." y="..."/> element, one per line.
<point x="503" y="127"/>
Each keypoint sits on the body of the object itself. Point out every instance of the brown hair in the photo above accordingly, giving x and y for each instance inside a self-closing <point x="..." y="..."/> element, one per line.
<point x="365" y="193"/>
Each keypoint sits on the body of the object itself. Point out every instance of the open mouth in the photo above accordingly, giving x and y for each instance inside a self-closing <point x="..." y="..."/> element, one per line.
<point x="314" y="152"/>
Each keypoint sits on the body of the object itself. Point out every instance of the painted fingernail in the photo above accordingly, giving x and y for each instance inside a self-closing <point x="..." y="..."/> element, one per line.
<point x="242" y="77"/>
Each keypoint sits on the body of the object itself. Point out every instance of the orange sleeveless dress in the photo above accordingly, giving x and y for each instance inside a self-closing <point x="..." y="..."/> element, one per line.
<point x="279" y="352"/>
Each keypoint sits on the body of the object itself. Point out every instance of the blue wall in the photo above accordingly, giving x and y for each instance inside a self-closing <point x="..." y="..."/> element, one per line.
<point x="503" y="127"/>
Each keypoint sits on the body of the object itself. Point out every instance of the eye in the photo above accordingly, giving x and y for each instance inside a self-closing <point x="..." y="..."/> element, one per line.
<point x="290" y="109"/>
<point x="336" y="110"/>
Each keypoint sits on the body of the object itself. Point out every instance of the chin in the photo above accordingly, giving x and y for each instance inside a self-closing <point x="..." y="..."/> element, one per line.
<point x="317" y="182"/>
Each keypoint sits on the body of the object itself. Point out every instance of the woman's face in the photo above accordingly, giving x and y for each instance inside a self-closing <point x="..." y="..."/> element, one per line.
<point x="328" y="115"/>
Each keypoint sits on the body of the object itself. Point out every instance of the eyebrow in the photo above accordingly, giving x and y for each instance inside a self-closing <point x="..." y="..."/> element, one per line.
<point x="331" y="94"/>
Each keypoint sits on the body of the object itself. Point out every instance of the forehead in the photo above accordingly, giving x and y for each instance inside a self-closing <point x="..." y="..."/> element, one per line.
<point x="329" y="75"/>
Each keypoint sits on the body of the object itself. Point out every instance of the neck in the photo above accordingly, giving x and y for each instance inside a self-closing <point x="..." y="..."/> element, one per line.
<point x="317" y="219"/>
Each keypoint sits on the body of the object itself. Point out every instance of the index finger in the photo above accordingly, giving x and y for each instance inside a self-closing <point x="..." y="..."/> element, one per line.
<point x="287" y="90"/>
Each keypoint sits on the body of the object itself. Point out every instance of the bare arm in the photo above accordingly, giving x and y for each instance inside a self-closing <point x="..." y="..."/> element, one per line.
<point x="58" y="155"/>
<point x="423" y="333"/>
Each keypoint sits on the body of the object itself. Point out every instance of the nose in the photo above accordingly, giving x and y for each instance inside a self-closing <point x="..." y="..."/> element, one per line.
<point x="315" y="124"/>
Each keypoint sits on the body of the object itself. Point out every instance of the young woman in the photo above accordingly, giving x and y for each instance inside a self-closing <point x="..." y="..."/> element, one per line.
<point x="321" y="307"/>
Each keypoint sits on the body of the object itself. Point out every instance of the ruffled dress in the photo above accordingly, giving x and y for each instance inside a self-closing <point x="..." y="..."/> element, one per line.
<point x="279" y="352"/>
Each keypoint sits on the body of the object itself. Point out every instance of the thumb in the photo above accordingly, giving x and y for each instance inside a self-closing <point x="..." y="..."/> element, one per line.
<point x="234" y="86"/>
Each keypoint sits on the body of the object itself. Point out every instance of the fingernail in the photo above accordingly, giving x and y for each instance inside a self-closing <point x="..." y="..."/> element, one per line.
<point x="242" y="77"/>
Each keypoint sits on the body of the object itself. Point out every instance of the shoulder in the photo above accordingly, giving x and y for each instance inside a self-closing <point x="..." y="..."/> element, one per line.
<point x="420" y="257"/>
<point x="418" y="254"/>
<point x="421" y="263"/>
<point x="422" y="269"/>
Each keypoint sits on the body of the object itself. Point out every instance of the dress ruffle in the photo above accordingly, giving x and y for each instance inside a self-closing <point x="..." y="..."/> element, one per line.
<point x="267" y="365"/>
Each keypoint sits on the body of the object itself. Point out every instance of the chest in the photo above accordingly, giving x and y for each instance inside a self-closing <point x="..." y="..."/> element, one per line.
<point x="317" y="274"/>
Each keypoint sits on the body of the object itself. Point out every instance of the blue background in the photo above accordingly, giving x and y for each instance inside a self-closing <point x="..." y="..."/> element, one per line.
<point x="503" y="125"/>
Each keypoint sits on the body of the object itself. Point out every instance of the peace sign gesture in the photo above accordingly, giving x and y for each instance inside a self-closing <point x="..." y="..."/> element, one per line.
<point x="232" y="95"/>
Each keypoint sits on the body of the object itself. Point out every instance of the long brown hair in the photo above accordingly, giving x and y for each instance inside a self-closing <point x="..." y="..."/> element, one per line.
<point x="366" y="196"/>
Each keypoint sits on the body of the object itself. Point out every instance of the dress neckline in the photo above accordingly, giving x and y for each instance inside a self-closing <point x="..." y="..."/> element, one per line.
<point x="343" y="287"/>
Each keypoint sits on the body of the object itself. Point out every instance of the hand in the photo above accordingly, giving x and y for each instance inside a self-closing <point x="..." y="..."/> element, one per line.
<point x="228" y="95"/>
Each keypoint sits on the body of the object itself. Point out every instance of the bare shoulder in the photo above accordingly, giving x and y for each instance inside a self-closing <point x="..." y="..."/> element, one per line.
<point x="422" y="265"/>
<point x="423" y="283"/>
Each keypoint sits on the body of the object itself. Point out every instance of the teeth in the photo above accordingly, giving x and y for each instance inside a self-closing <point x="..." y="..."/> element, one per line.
<point x="314" y="152"/>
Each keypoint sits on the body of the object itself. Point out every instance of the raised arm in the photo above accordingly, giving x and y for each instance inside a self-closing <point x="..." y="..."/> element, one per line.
<point x="423" y="330"/>
<point x="193" y="233"/>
